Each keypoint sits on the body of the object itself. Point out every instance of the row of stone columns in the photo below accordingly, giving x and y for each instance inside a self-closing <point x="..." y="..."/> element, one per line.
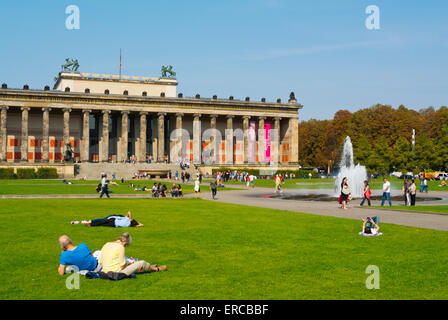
<point x="141" y="150"/>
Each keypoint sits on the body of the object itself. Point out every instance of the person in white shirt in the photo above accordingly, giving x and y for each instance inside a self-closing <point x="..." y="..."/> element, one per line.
<point x="197" y="188"/>
<point x="386" y="192"/>
<point x="104" y="186"/>
<point x="412" y="192"/>
<point x="370" y="226"/>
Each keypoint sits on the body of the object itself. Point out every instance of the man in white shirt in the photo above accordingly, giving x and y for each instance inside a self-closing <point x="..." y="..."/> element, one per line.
<point x="386" y="192"/>
<point x="104" y="186"/>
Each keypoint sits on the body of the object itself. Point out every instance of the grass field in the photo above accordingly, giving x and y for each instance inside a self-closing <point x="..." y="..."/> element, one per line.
<point x="429" y="209"/>
<point x="328" y="184"/>
<point x="219" y="251"/>
<point x="54" y="187"/>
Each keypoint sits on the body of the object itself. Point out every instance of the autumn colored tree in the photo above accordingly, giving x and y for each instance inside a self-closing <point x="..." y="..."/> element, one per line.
<point x="381" y="137"/>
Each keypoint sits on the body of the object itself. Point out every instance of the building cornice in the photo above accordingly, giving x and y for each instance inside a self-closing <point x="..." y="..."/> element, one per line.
<point x="59" y="99"/>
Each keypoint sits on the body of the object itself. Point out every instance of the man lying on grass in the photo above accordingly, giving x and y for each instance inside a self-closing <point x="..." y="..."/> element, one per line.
<point x="113" y="258"/>
<point x="114" y="220"/>
<point x="370" y="226"/>
<point x="79" y="256"/>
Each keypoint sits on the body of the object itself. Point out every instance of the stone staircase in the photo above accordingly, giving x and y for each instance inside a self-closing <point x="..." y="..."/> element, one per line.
<point x="127" y="170"/>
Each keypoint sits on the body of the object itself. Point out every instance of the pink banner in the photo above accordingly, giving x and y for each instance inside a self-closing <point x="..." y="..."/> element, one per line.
<point x="252" y="139"/>
<point x="267" y="139"/>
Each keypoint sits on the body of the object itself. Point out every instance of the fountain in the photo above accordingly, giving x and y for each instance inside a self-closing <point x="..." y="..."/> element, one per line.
<point x="355" y="174"/>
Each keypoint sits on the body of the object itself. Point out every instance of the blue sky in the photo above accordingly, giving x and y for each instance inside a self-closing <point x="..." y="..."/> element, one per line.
<point x="319" y="49"/>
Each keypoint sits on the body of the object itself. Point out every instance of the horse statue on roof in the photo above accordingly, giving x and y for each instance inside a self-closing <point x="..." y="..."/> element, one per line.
<point x="168" y="72"/>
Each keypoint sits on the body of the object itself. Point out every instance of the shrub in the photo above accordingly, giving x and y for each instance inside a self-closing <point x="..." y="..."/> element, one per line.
<point x="7" y="173"/>
<point x="25" y="173"/>
<point x="47" y="173"/>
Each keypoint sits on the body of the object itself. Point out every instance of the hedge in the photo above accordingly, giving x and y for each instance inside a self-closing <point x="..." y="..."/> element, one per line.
<point x="7" y="173"/>
<point x="46" y="173"/>
<point x="26" y="173"/>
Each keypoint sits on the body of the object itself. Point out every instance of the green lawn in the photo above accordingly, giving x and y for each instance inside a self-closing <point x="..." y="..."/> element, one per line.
<point x="430" y="209"/>
<point x="328" y="183"/>
<point x="219" y="251"/>
<point x="18" y="186"/>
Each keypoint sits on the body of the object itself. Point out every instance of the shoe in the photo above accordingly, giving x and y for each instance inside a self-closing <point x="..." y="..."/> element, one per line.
<point x="74" y="222"/>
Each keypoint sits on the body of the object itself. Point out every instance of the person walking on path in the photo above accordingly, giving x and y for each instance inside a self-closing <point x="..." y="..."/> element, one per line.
<point x="405" y="191"/>
<point x="386" y="192"/>
<point x="367" y="193"/>
<point x="412" y="192"/>
<point x="278" y="182"/>
<point x="422" y="178"/>
<point x="213" y="186"/>
<point x="104" y="186"/>
<point x="197" y="188"/>
<point x="425" y="186"/>
<point x="345" y="193"/>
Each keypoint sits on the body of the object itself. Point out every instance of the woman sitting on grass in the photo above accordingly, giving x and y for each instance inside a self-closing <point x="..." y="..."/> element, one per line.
<point x="114" y="220"/>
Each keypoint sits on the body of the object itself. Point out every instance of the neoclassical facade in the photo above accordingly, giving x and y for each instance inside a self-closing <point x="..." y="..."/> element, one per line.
<point x="109" y="119"/>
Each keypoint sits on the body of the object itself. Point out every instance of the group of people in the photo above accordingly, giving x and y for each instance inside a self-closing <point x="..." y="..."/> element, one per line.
<point x="184" y="164"/>
<point x="409" y="191"/>
<point x="184" y="176"/>
<point x="346" y="196"/>
<point x="110" y="259"/>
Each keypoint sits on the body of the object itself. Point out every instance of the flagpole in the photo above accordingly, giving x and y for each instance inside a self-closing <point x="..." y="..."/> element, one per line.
<point x="120" y="63"/>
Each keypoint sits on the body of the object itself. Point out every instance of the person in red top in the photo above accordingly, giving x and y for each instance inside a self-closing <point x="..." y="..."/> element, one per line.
<point x="367" y="193"/>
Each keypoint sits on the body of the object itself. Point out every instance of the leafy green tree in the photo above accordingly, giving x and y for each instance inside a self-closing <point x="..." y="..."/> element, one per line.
<point x="380" y="158"/>
<point x="363" y="151"/>
<point x="401" y="155"/>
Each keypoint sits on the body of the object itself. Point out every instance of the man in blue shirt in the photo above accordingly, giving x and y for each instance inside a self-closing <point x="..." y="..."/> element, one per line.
<point x="79" y="256"/>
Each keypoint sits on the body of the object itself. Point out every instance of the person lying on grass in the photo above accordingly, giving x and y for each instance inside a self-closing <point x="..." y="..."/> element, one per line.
<point x="113" y="258"/>
<point x="79" y="256"/>
<point x="114" y="220"/>
<point x="370" y="226"/>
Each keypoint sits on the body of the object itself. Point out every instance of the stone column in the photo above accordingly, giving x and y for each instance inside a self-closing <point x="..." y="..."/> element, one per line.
<point x="246" y="138"/>
<point x="214" y="151"/>
<point x="229" y="139"/>
<point x="161" y="136"/>
<point x="179" y="143"/>
<point x="261" y="141"/>
<point x="275" y="141"/>
<point x="85" y="156"/>
<point x="197" y="141"/>
<point x="66" y="127"/>
<point x="45" y="134"/>
<point x="24" y="146"/>
<point x="154" y="139"/>
<point x="122" y="149"/>
<point x="4" y="134"/>
<point x="104" y="151"/>
<point x="294" y="141"/>
<point x="141" y="154"/>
